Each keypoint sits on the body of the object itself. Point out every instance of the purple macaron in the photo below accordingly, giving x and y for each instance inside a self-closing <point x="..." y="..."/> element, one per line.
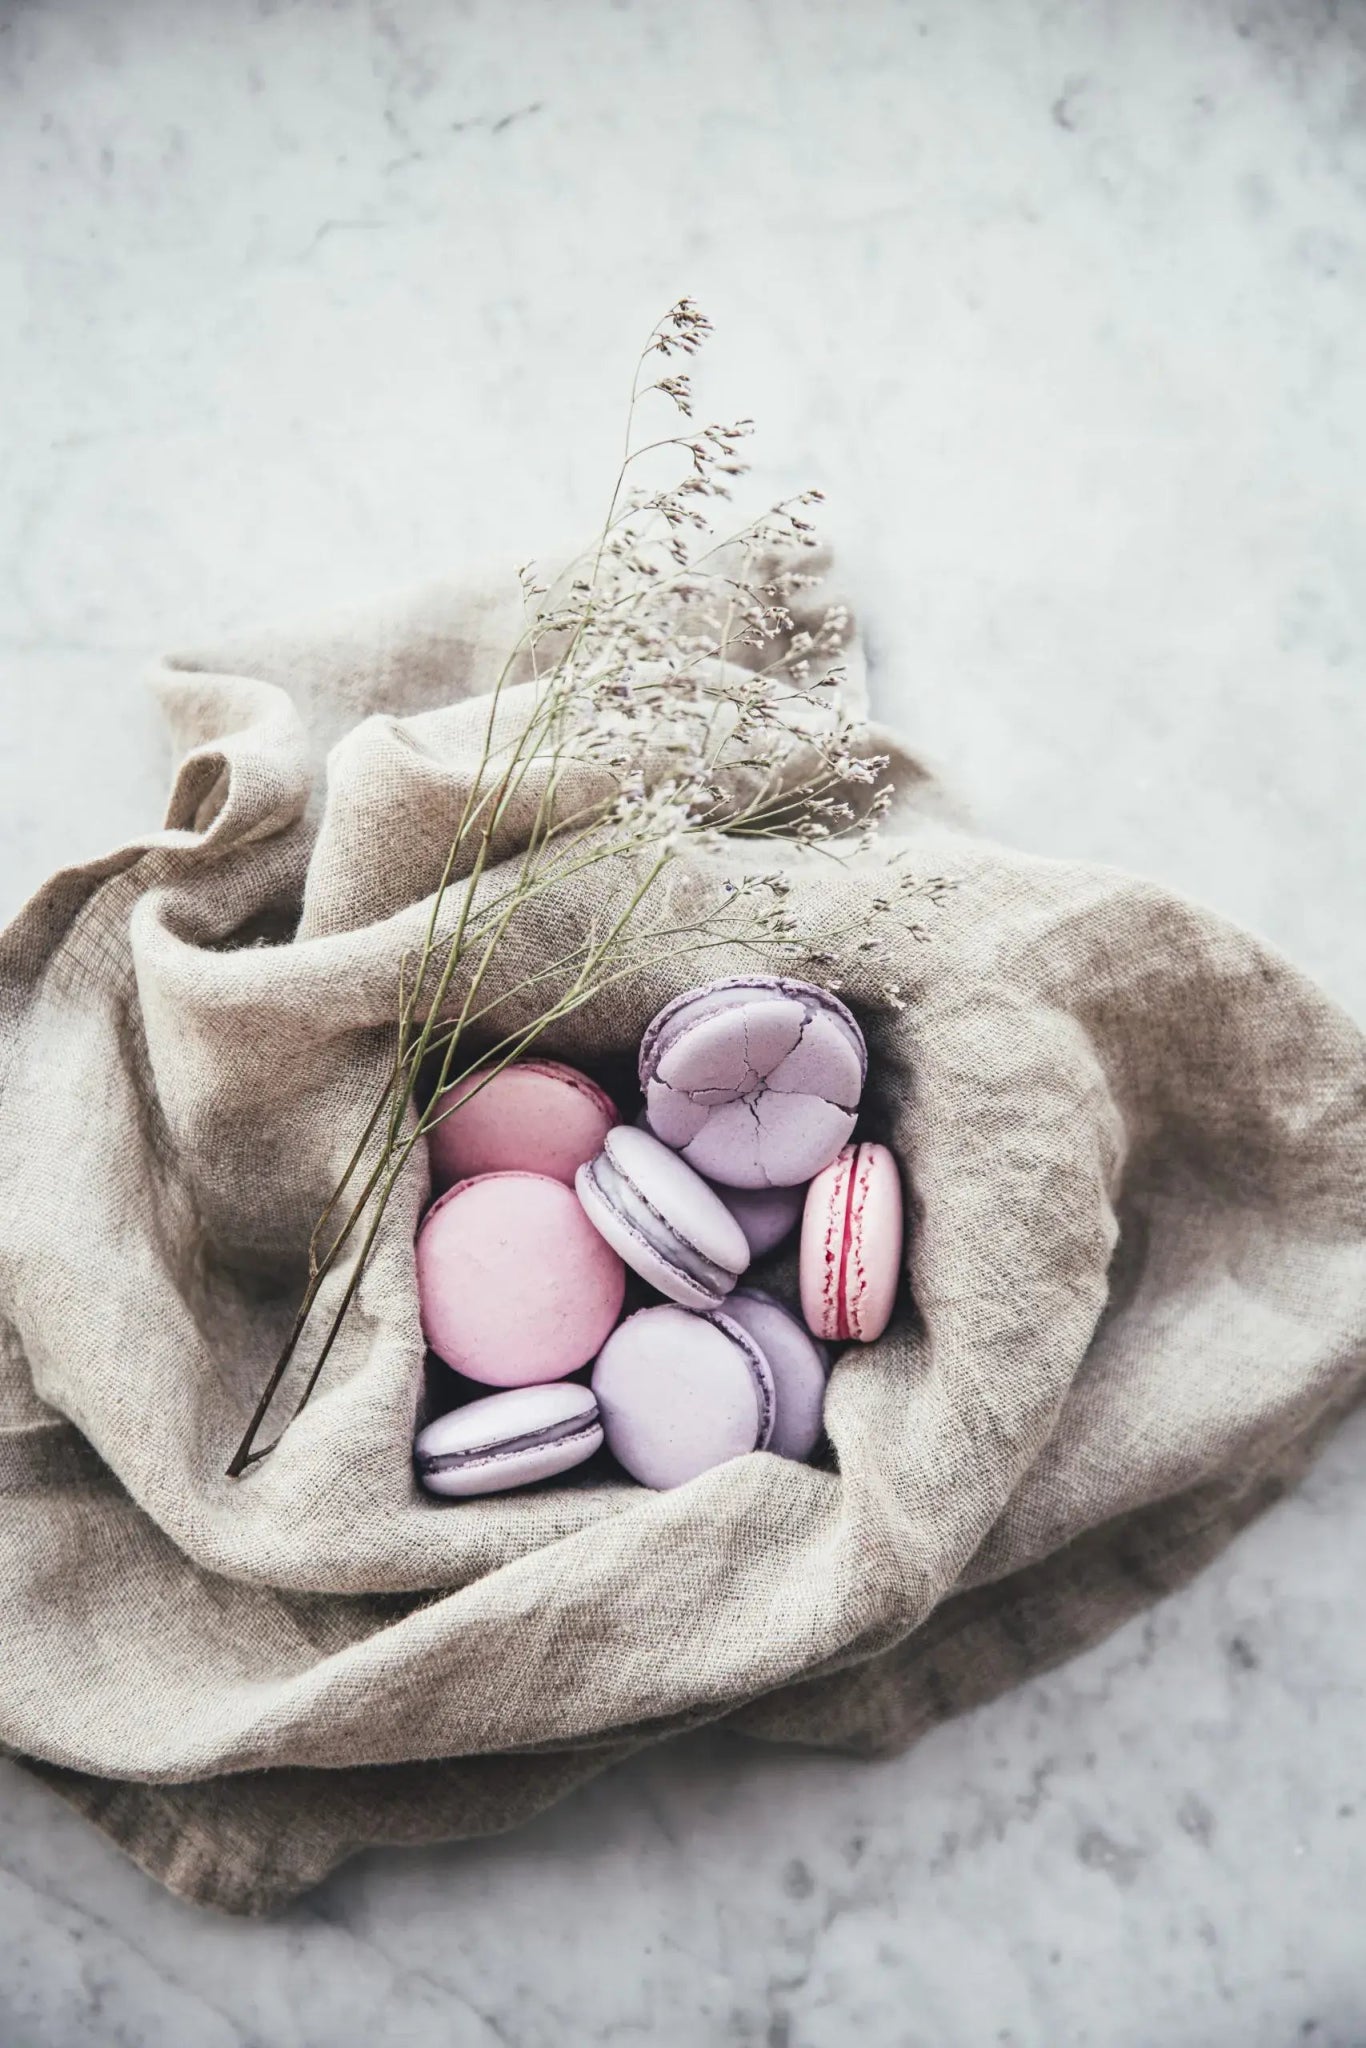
<point x="766" y="1215"/>
<point x="662" y="1218"/>
<point x="756" y="1081"/>
<point x="799" y="1366"/>
<point x="680" y="1392"/>
<point x="510" y="1439"/>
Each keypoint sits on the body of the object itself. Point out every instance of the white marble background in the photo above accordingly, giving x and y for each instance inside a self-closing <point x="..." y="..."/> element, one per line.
<point x="1064" y="304"/>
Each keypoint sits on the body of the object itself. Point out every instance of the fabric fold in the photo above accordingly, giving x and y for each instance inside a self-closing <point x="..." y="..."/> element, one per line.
<point x="1134" y="1142"/>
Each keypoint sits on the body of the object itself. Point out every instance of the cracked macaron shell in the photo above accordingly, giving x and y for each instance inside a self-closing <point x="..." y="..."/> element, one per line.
<point x="755" y="1081"/>
<point x="680" y="1392"/>
<point x="850" y="1258"/>
<point x="663" y="1219"/>
<point x="510" y="1439"/>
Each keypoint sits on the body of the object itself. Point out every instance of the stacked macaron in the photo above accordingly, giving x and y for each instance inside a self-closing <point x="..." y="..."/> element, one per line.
<point x="751" y="1092"/>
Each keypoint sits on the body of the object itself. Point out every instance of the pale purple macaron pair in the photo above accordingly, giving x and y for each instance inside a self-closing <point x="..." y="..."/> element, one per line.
<point x="510" y="1439"/>
<point x="680" y="1391"/>
<point x="665" y="1221"/>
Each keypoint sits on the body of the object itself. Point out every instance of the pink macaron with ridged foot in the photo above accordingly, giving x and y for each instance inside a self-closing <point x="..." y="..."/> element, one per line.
<point x="514" y="1284"/>
<point x="680" y="1392"/>
<point x="507" y="1440"/>
<point x="532" y="1116"/>
<point x="663" y="1219"/>
<point x="755" y="1080"/>
<point x="850" y="1259"/>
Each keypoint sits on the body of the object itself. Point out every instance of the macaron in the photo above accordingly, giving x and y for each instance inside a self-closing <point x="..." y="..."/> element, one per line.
<point x="850" y="1259"/>
<point x="663" y="1219"/>
<point x="679" y="1392"/>
<point x="508" y="1440"/>
<point x="514" y="1284"/>
<point x="535" y="1116"/>
<point x="766" y="1215"/>
<point x="755" y="1081"/>
<point x="798" y="1364"/>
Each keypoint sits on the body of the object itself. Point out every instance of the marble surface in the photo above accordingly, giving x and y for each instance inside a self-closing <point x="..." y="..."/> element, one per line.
<point x="1063" y="304"/>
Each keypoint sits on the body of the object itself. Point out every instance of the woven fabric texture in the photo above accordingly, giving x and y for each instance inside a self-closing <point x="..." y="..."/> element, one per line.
<point x="1134" y="1145"/>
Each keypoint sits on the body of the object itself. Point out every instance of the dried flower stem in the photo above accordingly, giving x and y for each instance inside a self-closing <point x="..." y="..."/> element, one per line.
<point x="633" y="704"/>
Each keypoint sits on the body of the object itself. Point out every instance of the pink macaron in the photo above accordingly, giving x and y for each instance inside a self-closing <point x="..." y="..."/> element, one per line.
<point x="514" y="1284"/>
<point x="535" y="1116"/>
<point x="850" y="1258"/>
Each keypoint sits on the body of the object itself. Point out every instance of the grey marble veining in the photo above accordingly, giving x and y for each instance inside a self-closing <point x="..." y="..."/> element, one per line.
<point x="1063" y="305"/>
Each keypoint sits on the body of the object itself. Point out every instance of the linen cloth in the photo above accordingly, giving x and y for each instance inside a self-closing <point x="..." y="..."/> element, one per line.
<point x="1134" y="1146"/>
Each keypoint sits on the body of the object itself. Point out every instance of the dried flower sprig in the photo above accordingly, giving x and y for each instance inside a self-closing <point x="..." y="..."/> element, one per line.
<point x="661" y="698"/>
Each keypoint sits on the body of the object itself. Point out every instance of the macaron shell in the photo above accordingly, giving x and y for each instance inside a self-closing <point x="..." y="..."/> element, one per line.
<point x="799" y="1366"/>
<point x="674" y="1119"/>
<point x="507" y="1440"/>
<point x="734" y="992"/>
<point x="766" y="1215"/>
<point x="535" y="1116"/>
<point x="515" y="1286"/>
<point x="693" y="1004"/>
<point x="823" y="1063"/>
<point x="850" y="1260"/>
<point x="799" y="1134"/>
<point x="679" y="1195"/>
<point x="728" y="1054"/>
<point x="755" y="1081"/>
<point x="629" y="1243"/>
<point x="766" y="1140"/>
<point x="680" y="1393"/>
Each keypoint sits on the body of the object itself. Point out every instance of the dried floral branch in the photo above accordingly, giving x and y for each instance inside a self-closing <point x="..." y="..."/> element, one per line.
<point x="661" y="699"/>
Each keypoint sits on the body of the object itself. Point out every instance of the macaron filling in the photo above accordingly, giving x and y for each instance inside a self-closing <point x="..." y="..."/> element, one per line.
<point x="759" y="1372"/>
<point x="622" y="1195"/>
<point x="843" y="1318"/>
<point x="573" y="1429"/>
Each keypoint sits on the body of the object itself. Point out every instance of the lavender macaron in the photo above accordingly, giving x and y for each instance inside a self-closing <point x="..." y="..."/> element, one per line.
<point x="798" y="1364"/>
<point x="766" y="1215"/>
<point x="756" y="1081"/>
<point x="508" y="1440"/>
<point x="662" y="1218"/>
<point x="680" y="1392"/>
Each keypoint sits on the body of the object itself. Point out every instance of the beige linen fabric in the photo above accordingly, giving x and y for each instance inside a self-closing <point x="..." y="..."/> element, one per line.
<point x="1135" y="1149"/>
